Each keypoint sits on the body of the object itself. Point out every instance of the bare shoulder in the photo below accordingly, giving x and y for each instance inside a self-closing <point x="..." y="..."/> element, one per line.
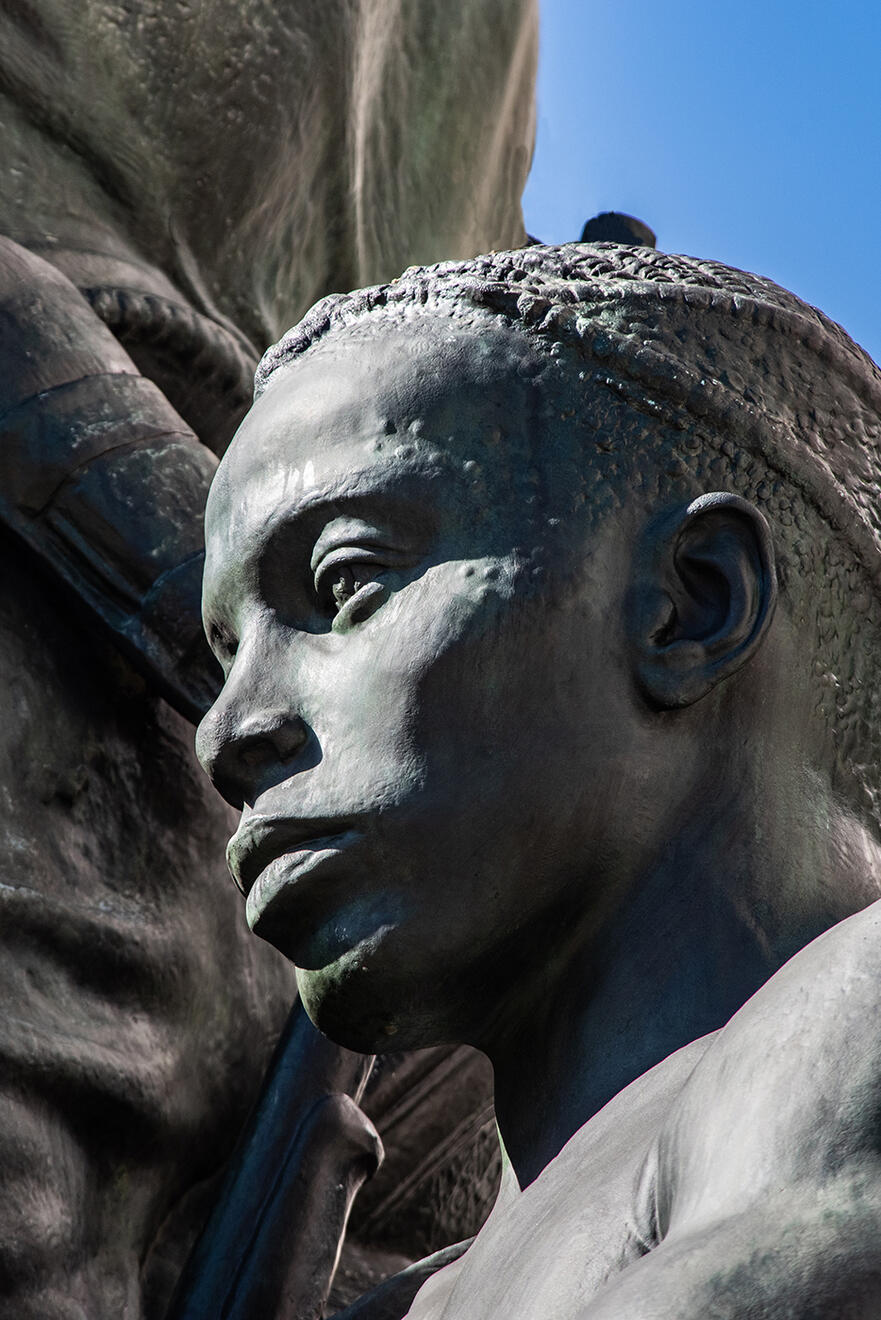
<point x="584" y="1219"/>
<point x="789" y="1088"/>
<point x="741" y="1171"/>
<point x="768" y="1179"/>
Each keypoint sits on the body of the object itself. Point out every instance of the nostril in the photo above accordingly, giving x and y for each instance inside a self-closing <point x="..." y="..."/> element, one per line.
<point x="255" y="754"/>
<point x="243" y="755"/>
<point x="289" y="739"/>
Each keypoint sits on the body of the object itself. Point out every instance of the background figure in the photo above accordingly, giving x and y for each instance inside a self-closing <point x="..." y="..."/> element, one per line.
<point x="178" y="184"/>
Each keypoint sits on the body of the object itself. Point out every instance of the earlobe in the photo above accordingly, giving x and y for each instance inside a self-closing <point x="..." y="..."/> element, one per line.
<point x="704" y="593"/>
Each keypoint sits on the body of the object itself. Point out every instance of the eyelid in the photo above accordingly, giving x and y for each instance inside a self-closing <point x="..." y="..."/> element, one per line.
<point x="353" y="554"/>
<point x="369" y="594"/>
<point x="349" y="540"/>
<point x="347" y="533"/>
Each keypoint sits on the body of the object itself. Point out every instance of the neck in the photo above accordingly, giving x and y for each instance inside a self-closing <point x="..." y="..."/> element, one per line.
<point x="687" y="950"/>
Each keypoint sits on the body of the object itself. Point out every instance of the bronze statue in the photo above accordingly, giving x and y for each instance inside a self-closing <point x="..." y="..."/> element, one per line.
<point x="545" y="587"/>
<point x="179" y="182"/>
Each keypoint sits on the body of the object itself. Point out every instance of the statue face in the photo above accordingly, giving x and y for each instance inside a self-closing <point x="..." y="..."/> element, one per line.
<point x="423" y="716"/>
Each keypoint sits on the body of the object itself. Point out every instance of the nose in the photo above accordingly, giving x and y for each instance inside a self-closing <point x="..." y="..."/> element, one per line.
<point x="245" y="751"/>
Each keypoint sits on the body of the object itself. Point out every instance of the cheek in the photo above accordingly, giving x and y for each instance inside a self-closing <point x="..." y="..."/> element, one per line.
<point x="472" y="674"/>
<point x="464" y="687"/>
<point x="382" y="694"/>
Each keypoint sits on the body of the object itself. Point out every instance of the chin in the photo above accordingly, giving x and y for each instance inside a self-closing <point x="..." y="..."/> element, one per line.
<point x="368" y="1007"/>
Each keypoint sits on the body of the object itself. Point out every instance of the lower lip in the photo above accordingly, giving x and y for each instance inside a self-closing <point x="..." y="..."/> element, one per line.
<point x="290" y="871"/>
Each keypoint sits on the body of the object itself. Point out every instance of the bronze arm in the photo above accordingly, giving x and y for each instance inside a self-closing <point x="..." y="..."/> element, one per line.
<point x="101" y="478"/>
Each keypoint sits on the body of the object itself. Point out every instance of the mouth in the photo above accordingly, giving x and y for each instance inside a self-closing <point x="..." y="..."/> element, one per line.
<point x="261" y="840"/>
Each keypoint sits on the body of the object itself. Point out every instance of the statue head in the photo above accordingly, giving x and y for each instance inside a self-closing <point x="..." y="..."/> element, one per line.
<point x="492" y="568"/>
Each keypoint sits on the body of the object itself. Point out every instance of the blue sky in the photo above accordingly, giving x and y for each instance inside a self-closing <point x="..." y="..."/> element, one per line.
<point x="748" y="132"/>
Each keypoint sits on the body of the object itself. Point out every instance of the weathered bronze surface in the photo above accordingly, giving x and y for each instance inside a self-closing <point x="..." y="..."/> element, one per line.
<point x="545" y="588"/>
<point x="177" y="183"/>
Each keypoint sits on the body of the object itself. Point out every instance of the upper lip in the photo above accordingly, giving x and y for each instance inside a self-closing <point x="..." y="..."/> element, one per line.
<point x="260" y="839"/>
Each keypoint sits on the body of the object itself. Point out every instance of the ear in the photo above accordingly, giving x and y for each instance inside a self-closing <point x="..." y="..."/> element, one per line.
<point x="703" y="597"/>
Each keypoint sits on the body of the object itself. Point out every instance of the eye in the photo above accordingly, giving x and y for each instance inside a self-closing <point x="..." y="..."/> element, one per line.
<point x="348" y="589"/>
<point x="355" y="566"/>
<point x="345" y="580"/>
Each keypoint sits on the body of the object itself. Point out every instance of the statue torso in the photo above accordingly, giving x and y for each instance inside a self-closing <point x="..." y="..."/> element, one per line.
<point x="741" y="1170"/>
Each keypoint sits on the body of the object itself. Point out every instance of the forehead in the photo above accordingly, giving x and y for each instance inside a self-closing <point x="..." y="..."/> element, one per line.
<point x="374" y="405"/>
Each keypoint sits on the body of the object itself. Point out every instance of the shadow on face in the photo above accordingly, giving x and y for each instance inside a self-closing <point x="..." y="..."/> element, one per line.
<point x="429" y="718"/>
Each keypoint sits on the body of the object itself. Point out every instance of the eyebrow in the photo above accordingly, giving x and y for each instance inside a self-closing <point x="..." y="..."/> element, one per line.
<point x="401" y="494"/>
